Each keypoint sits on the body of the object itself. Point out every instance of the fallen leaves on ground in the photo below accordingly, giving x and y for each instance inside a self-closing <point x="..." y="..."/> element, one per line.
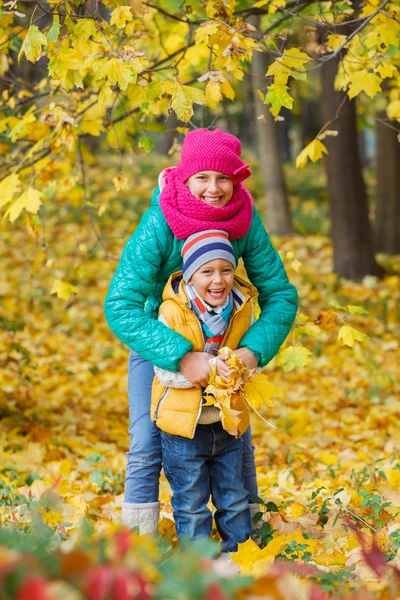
<point x="334" y="457"/>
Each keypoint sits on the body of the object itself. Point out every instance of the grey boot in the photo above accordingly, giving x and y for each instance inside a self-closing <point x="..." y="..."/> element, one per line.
<point x="143" y="516"/>
<point x="254" y="509"/>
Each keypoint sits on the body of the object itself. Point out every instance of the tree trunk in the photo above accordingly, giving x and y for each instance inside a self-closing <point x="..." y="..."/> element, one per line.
<point x="268" y="144"/>
<point x="353" y="248"/>
<point x="387" y="218"/>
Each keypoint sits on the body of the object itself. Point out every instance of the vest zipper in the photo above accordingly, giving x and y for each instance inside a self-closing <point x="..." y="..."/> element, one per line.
<point x="227" y="332"/>
<point x="161" y="400"/>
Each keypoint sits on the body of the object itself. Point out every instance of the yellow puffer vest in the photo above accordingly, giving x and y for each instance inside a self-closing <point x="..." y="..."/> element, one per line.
<point x="176" y="411"/>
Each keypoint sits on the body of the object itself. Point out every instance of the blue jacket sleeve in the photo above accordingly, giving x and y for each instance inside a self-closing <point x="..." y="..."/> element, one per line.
<point x="133" y="282"/>
<point x="277" y="297"/>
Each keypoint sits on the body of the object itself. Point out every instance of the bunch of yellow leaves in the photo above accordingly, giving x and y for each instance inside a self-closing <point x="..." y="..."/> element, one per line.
<point x="254" y="389"/>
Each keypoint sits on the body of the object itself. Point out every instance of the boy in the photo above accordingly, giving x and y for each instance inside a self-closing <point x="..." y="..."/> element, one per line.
<point x="211" y="308"/>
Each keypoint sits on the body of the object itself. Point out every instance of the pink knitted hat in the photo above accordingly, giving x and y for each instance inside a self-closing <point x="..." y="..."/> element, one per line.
<point x="205" y="150"/>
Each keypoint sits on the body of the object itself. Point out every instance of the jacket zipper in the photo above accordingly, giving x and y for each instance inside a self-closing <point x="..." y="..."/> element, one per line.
<point x="161" y="400"/>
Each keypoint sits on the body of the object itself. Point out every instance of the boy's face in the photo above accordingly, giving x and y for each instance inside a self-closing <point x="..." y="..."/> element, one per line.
<point x="213" y="281"/>
<point x="211" y="187"/>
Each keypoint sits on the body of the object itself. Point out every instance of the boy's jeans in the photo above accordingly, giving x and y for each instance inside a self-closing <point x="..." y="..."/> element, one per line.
<point x="144" y="456"/>
<point x="209" y="464"/>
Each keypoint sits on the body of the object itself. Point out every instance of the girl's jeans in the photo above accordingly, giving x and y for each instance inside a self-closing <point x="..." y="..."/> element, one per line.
<point x="209" y="464"/>
<point x="144" y="456"/>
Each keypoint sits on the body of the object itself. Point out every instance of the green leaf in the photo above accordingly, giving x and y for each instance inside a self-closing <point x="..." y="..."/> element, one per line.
<point x="54" y="31"/>
<point x="146" y="143"/>
<point x="293" y="356"/>
<point x="356" y="310"/>
<point x="277" y="97"/>
<point x="32" y="44"/>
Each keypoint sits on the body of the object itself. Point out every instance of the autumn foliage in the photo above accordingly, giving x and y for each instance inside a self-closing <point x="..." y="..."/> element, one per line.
<point x="331" y="464"/>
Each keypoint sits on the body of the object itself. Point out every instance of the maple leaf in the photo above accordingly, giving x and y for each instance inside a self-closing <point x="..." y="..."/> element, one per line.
<point x="30" y="200"/>
<point x="63" y="289"/>
<point x="8" y="187"/>
<point x="183" y="98"/>
<point x="260" y="390"/>
<point x="120" y="182"/>
<point x="32" y="44"/>
<point x="278" y="96"/>
<point x="230" y="420"/>
<point x="121" y="15"/>
<point x="314" y="151"/>
<point x="349" y="335"/>
<point x="326" y="320"/>
<point x="292" y="357"/>
<point x="362" y="81"/>
<point x="54" y="31"/>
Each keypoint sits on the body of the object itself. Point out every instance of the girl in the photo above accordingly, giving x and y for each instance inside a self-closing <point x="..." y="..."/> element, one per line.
<point x="204" y="191"/>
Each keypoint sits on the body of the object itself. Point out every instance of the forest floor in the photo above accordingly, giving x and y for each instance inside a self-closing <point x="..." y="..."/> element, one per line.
<point x="333" y="459"/>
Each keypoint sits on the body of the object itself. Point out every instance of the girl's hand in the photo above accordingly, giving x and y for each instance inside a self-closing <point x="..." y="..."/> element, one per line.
<point x="195" y="367"/>
<point x="247" y="357"/>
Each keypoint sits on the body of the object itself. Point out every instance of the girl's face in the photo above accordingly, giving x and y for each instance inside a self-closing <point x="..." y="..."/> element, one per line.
<point x="211" y="187"/>
<point x="213" y="281"/>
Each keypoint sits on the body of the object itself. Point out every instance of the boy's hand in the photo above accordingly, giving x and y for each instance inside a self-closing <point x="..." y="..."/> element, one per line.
<point x="222" y="368"/>
<point x="196" y="368"/>
<point x="247" y="357"/>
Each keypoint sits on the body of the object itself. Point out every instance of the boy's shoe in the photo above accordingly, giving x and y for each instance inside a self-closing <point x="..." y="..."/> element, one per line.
<point x="225" y="567"/>
<point x="144" y="517"/>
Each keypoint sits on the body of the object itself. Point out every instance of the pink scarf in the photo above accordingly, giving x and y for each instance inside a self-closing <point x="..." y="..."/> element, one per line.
<point x="185" y="214"/>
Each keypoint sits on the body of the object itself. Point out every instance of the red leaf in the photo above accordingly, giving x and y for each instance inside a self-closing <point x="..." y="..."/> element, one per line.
<point x="121" y="587"/>
<point x="214" y="592"/>
<point x="33" y="588"/>
<point x="123" y="542"/>
<point x="372" y="553"/>
<point x="98" y="582"/>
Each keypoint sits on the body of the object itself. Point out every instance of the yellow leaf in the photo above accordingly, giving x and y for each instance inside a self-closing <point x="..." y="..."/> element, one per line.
<point x="273" y="7"/>
<point x="106" y="97"/>
<point x="30" y="200"/>
<point x="293" y="356"/>
<point x="63" y="289"/>
<point x="204" y="32"/>
<point x="32" y="44"/>
<point x="291" y="64"/>
<point x="227" y="90"/>
<point x="183" y="98"/>
<point x="335" y="41"/>
<point x="386" y="70"/>
<point x="120" y="182"/>
<point x="393" y="110"/>
<point x="253" y="561"/>
<point x="260" y="391"/>
<point x="349" y="335"/>
<point x="121" y="15"/>
<point x="92" y="126"/>
<point x="8" y="187"/>
<point x="230" y="420"/>
<point x="314" y="151"/>
<point x="362" y="81"/>
<point x="121" y="73"/>
<point x="213" y="93"/>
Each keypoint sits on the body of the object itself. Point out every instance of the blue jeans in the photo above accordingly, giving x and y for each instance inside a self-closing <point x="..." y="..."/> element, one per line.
<point x="144" y="456"/>
<point x="208" y="464"/>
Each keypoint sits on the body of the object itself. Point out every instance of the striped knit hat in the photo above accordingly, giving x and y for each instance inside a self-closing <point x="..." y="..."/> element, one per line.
<point x="200" y="248"/>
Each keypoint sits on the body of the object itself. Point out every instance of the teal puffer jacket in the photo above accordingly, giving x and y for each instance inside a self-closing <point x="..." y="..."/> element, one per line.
<point x="149" y="258"/>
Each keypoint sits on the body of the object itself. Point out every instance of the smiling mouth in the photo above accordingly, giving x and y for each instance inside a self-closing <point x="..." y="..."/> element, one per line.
<point x="212" y="198"/>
